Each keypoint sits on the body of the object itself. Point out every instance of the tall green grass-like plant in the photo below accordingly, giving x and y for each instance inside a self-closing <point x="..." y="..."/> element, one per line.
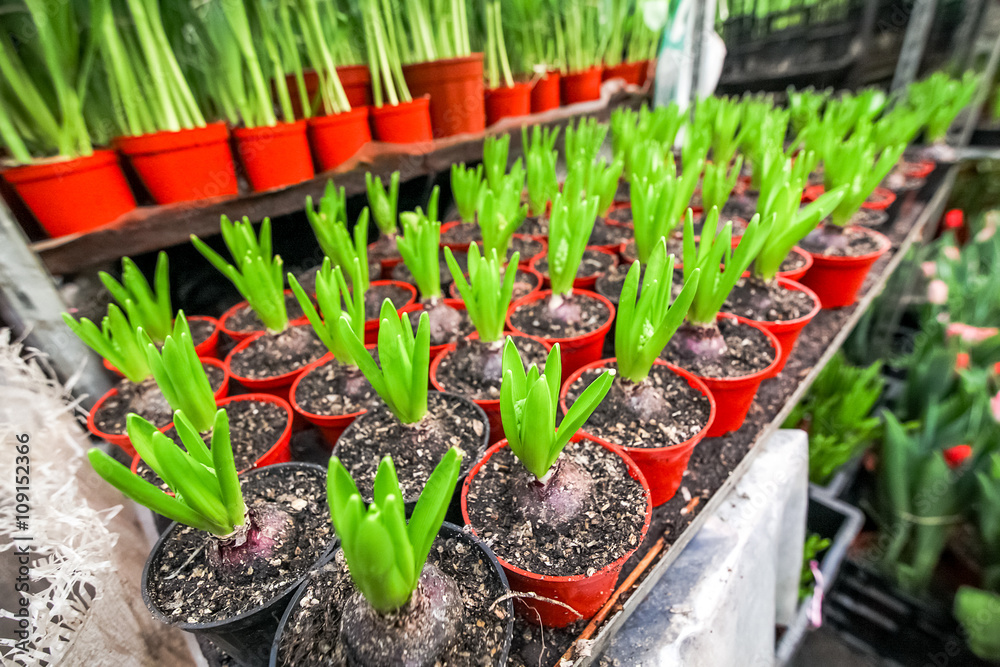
<point x="501" y="213"/>
<point x="570" y="225"/>
<point x="658" y="205"/>
<point x="467" y="186"/>
<point x="581" y="35"/>
<point x="631" y="131"/>
<point x="942" y="98"/>
<point x="496" y="150"/>
<point x="320" y="54"/>
<point x="487" y="292"/>
<point x="437" y="30"/>
<point x="329" y="224"/>
<point x="336" y="301"/>
<point x="852" y="166"/>
<point x="497" y="64"/>
<point x="384" y="202"/>
<point x="256" y="272"/>
<point x="117" y="340"/>
<point x="583" y="142"/>
<point x="383" y="50"/>
<point x="419" y="246"/>
<point x="146" y="306"/>
<point x="540" y="158"/>
<point x="180" y="376"/>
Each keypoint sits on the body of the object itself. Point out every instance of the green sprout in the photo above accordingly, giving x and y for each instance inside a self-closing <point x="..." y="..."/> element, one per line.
<point x="942" y="98"/>
<point x="528" y="409"/>
<point x="658" y="204"/>
<point x="596" y="178"/>
<point x="852" y="164"/>
<point x="180" y="376"/>
<point x="206" y="490"/>
<point x="540" y="160"/>
<point x="584" y="141"/>
<point x="805" y="105"/>
<point x="713" y="250"/>
<point x="117" y="341"/>
<point x="495" y="152"/>
<point x="898" y="126"/>
<point x="419" y="246"/>
<point x="331" y="292"/>
<point x="501" y="213"/>
<point x="382" y="202"/>
<point x="256" y="273"/>
<point x="631" y="130"/>
<point x="146" y="307"/>
<point x="487" y="292"/>
<point x="646" y="319"/>
<point x="329" y="224"/>
<point x="385" y="554"/>
<point x="570" y="224"/>
<point x="723" y="115"/>
<point x="467" y="187"/>
<point x="717" y="185"/>
<point x="405" y="360"/>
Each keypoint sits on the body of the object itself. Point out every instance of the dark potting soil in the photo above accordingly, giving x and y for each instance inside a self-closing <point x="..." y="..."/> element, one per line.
<point x="594" y="263"/>
<point x="535" y="225"/>
<point x="201" y="330"/>
<point x="535" y="318"/>
<point x="254" y="427"/>
<point x="464" y="328"/>
<point x="311" y="636"/>
<point x="604" y="234"/>
<point x="748" y="351"/>
<point x="462" y="233"/>
<point x="740" y="205"/>
<point x="272" y="355"/>
<point x="323" y="390"/>
<point x="244" y="319"/>
<point x="624" y="192"/>
<point x="527" y="246"/>
<point x="144" y="399"/>
<point x="684" y="410"/>
<point x="186" y="589"/>
<point x="307" y="278"/>
<point x="415" y="448"/>
<point x="793" y="262"/>
<point x="377" y="294"/>
<point x="898" y="181"/>
<point x="622" y="215"/>
<point x="785" y="304"/>
<point x="384" y="247"/>
<point x="473" y="370"/>
<point x="610" y="284"/>
<point x="859" y="243"/>
<point x="867" y="217"/>
<point x="607" y="525"/>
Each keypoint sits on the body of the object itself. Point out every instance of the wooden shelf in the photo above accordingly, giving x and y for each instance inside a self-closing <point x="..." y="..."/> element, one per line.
<point x="151" y="228"/>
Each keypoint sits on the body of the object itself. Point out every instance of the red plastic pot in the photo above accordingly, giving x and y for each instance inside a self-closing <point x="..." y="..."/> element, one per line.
<point x="490" y="406"/>
<point x="787" y="331"/>
<point x="336" y="138"/>
<point x="404" y="123"/>
<point x="837" y="280"/>
<point x="630" y="72"/>
<point x="238" y="336"/>
<point x="331" y="426"/>
<point x="457" y="304"/>
<point x="796" y="274"/>
<point x="455" y="87"/>
<point x="580" y="282"/>
<point x="734" y="396"/>
<point x="585" y="594"/>
<point x="73" y="196"/>
<point x="879" y="200"/>
<point x="507" y="102"/>
<point x="919" y="169"/>
<point x="663" y="467"/>
<point x="454" y="294"/>
<point x="275" y="157"/>
<point x="455" y="247"/>
<point x="281" y="451"/>
<point x="582" y="86"/>
<point x="357" y="83"/>
<point x="644" y="71"/>
<point x="525" y="262"/>
<point x="277" y="385"/>
<point x="183" y="166"/>
<point x="576" y="351"/>
<point x="545" y="92"/>
<point x="371" y="326"/>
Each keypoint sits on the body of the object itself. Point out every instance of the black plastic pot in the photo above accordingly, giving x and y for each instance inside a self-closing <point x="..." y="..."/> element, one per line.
<point x="454" y="514"/>
<point x="840" y="523"/>
<point x="447" y="530"/>
<point x="247" y="637"/>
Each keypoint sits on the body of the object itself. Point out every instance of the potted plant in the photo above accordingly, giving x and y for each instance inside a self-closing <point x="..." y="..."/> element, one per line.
<point x="120" y="343"/>
<point x="537" y="498"/>
<point x="329" y="223"/>
<point x="730" y="354"/>
<point x="900" y="125"/>
<point x="383" y="203"/>
<point x="267" y="361"/>
<point x="413" y="426"/>
<point x="44" y="100"/>
<point x="403" y="120"/>
<point x="274" y="152"/>
<point x="536" y="48"/>
<point x="579" y="320"/>
<point x="638" y="134"/>
<point x="655" y="412"/>
<point x="467" y="186"/>
<point x="398" y="591"/>
<point x="150" y="308"/>
<point x="163" y="133"/>
<point x="438" y="61"/>
<point x="624" y="21"/>
<point x="580" y="80"/>
<point x="471" y="366"/>
<point x="942" y="98"/>
<point x="342" y="129"/>
<point x="842" y="255"/>
<point x="540" y="159"/>
<point x="240" y="545"/>
<point x="510" y="99"/>
<point x="333" y="391"/>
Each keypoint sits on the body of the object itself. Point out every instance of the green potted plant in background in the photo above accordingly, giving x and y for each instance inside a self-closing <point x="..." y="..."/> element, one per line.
<point x="579" y="32"/>
<point x="504" y="97"/>
<point x="540" y="159"/>
<point x="68" y="186"/>
<point x="627" y="46"/>
<point x="163" y="132"/>
<point x="383" y="202"/>
<point x="942" y="98"/>
<point x="467" y="187"/>
<point x="533" y="31"/>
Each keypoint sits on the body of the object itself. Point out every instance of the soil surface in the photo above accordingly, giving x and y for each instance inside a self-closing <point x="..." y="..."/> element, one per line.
<point x="784" y="304"/>
<point x="462" y="233"/>
<point x="535" y="225"/>
<point x="869" y="218"/>
<point x="622" y="215"/>
<point x="473" y="370"/>
<point x="741" y="206"/>
<point x="402" y="273"/>
<point x="444" y="337"/>
<point x="604" y="234"/>
<point x="245" y="320"/>
<point x="186" y="589"/>
<point x="377" y="294"/>
<point x="793" y="262"/>
<point x="415" y="448"/>
<point x="312" y="635"/>
<point x="144" y="399"/>
<point x="384" y="247"/>
<point x="594" y="263"/>
<point x="201" y="330"/>
<point x="527" y="246"/>
<point x="682" y="413"/>
<point x="858" y="243"/>
<point x="272" y="355"/>
<point x="324" y="390"/>
<point x="607" y="526"/>
<point x="748" y="351"/>
<point x="535" y="318"/>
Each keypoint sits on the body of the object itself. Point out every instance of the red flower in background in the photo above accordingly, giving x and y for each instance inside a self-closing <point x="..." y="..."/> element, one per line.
<point x="955" y="456"/>
<point x="961" y="361"/>
<point x="969" y="333"/>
